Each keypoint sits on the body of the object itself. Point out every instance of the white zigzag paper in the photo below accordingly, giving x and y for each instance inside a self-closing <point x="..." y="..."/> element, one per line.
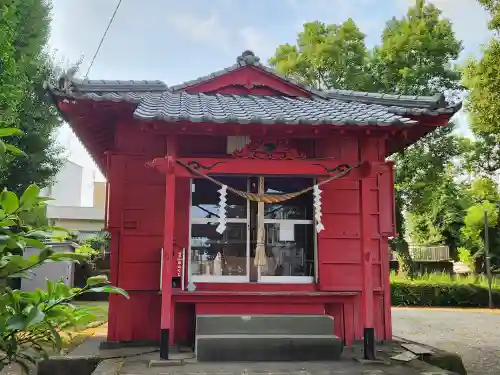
<point x="317" y="208"/>
<point x="222" y="209"/>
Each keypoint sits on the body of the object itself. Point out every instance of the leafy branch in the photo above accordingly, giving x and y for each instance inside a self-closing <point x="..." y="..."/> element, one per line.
<point x="31" y="323"/>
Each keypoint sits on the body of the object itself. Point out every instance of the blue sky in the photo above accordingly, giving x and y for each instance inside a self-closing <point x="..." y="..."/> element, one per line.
<point x="175" y="41"/>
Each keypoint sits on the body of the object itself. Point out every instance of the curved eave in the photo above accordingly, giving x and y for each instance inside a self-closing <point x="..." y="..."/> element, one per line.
<point x="94" y="132"/>
<point x="412" y="111"/>
<point x="398" y="100"/>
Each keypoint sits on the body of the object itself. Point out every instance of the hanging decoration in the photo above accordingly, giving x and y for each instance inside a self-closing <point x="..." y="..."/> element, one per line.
<point x="260" y="259"/>
<point x="317" y="208"/>
<point x="343" y="170"/>
<point x="222" y="209"/>
<point x="260" y="248"/>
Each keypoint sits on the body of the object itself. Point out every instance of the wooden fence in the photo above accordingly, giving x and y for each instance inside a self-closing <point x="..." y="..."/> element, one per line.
<point x="428" y="253"/>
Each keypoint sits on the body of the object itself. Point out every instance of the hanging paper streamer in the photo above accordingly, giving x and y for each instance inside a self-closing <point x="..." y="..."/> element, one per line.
<point x="222" y="209"/>
<point x="317" y="208"/>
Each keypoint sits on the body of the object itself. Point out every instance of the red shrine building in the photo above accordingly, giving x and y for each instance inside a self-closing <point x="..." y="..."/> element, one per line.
<point x="245" y="193"/>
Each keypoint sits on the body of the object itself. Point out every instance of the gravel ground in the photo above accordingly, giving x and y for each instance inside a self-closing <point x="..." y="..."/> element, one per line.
<point x="475" y="335"/>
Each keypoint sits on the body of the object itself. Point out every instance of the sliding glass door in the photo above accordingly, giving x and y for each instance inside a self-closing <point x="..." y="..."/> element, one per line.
<point x="289" y="233"/>
<point x="288" y="228"/>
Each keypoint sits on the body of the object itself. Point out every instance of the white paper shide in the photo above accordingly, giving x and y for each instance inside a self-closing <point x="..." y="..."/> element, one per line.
<point x="222" y="209"/>
<point x="317" y="208"/>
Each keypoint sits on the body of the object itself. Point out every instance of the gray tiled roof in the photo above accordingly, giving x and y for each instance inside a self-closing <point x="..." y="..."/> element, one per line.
<point x="407" y="101"/>
<point x="245" y="109"/>
<point x="334" y="104"/>
<point x="405" y="105"/>
<point x="113" y="90"/>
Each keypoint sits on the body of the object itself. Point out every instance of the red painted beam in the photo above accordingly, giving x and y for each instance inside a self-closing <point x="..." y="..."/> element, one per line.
<point x="259" y="297"/>
<point x="218" y="166"/>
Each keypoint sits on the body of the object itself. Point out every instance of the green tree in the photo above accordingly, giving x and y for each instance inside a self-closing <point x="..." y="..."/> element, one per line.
<point x="415" y="59"/>
<point x="12" y="81"/>
<point x="482" y="79"/>
<point x="482" y="155"/>
<point x="492" y="6"/>
<point x="442" y="217"/>
<point x="429" y="193"/>
<point x="484" y="189"/>
<point x="25" y="30"/>
<point x="416" y="53"/>
<point x="485" y="197"/>
<point x="326" y="56"/>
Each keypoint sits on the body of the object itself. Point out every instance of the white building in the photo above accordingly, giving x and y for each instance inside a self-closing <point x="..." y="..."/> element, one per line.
<point x="66" y="210"/>
<point x="67" y="189"/>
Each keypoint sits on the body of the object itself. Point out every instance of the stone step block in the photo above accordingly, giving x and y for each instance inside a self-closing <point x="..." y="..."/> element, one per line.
<point x="264" y="324"/>
<point x="255" y="347"/>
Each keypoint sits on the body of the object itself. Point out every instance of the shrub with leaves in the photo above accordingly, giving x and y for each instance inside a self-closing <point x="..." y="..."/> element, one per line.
<point x="94" y="247"/>
<point x="411" y="293"/>
<point x="445" y="290"/>
<point x="31" y="323"/>
<point x="88" y="251"/>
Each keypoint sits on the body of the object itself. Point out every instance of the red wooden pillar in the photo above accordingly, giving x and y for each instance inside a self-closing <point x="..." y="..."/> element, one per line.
<point x="366" y="248"/>
<point x="115" y="180"/>
<point x="168" y="248"/>
<point x="388" y="189"/>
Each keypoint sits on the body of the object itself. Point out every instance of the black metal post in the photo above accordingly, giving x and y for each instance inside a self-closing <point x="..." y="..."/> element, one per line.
<point x="369" y="343"/>
<point x="487" y="258"/>
<point x="164" y="343"/>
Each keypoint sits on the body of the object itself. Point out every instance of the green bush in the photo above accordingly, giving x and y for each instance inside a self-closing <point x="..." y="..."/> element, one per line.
<point x="31" y="323"/>
<point x="442" y="291"/>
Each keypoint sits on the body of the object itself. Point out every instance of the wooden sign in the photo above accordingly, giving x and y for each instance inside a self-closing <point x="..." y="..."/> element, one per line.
<point x="178" y="254"/>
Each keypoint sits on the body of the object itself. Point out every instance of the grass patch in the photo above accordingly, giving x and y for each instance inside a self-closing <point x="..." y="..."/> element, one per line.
<point x="71" y="339"/>
<point x="102" y="305"/>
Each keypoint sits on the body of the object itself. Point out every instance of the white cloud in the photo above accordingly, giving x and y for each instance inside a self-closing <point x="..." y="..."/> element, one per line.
<point x="204" y="30"/>
<point x="258" y="42"/>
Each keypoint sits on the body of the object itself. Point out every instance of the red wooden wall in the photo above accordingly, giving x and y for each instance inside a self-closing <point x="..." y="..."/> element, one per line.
<point x="340" y="245"/>
<point x="136" y="218"/>
<point x="136" y="214"/>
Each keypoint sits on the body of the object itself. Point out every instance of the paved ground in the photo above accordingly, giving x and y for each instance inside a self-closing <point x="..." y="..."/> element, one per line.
<point x="344" y="367"/>
<point x="475" y="335"/>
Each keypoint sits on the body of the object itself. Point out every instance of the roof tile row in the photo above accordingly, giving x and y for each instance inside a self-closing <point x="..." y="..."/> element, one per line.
<point x="245" y="109"/>
<point x="155" y="100"/>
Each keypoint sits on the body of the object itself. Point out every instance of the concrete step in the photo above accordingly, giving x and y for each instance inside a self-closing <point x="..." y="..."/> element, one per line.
<point x="259" y="347"/>
<point x="264" y="324"/>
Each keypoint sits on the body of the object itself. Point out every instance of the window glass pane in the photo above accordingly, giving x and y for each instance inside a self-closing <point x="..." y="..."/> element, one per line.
<point x="214" y="254"/>
<point x="289" y="249"/>
<point x="205" y="198"/>
<point x="299" y="208"/>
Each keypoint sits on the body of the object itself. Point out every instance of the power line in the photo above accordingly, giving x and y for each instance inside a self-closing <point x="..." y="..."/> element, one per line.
<point x="103" y="37"/>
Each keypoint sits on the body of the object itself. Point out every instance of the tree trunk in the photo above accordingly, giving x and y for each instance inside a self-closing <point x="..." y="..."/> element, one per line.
<point x="405" y="261"/>
<point x="399" y="244"/>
